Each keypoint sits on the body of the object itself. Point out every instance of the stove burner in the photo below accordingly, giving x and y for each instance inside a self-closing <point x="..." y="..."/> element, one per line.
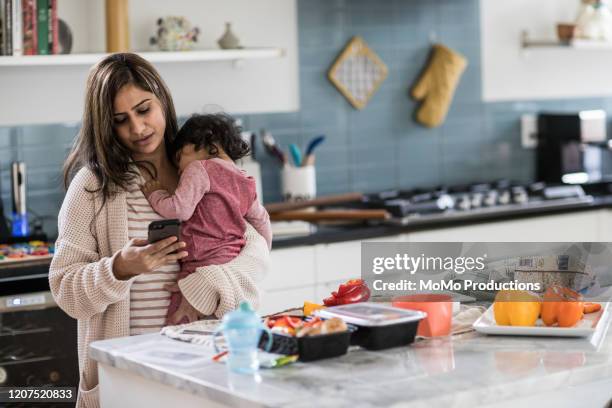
<point x="471" y="197"/>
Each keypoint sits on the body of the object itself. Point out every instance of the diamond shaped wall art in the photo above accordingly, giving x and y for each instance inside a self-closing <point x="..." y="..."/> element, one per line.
<point x="357" y="73"/>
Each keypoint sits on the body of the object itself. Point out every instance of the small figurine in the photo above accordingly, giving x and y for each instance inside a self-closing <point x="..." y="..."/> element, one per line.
<point x="175" y="34"/>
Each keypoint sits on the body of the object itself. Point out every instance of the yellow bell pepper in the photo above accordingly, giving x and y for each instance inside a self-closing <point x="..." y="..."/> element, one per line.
<point x="310" y="307"/>
<point x="516" y="308"/>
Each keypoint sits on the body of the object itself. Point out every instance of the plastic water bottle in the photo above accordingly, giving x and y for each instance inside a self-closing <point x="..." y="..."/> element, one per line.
<point x="242" y="329"/>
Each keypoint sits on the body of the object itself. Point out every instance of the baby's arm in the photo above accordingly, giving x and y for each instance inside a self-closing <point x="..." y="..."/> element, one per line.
<point x="194" y="183"/>
<point x="258" y="217"/>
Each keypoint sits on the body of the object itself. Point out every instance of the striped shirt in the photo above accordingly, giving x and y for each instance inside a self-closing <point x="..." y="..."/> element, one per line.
<point x="148" y="299"/>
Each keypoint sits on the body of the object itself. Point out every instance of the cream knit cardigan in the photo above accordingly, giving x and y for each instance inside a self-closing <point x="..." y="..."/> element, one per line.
<point x="83" y="284"/>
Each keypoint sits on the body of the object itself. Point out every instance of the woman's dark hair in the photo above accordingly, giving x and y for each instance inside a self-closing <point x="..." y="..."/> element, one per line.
<point x="97" y="147"/>
<point x="209" y="131"/>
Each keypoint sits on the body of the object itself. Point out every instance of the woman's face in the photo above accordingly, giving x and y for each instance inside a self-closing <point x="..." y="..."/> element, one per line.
<point x="138" y="120"/>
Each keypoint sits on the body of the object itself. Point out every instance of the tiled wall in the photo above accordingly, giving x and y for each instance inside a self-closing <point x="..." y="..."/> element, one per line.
<point x="380" y="147"/>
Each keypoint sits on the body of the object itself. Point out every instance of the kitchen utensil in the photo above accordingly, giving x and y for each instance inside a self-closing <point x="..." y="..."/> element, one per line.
<point x="20" y="225"/>
<point x="326" y="200"/>
<point x="295" y="154"/>
<point x="590" y="324"/>
<point x="252" y="143"/>
<point x="439" y="309"/>
<point x="271" y="147"/>
<point x="330" y="215"/>
<point x="378" y="327"/>
<point x="312" y="145"/>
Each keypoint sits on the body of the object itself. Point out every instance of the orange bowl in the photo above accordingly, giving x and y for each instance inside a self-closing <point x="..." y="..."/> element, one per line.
<point x="439" y="309"/>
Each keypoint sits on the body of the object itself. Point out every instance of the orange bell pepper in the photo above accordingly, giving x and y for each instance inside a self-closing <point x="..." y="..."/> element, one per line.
<point x="562" y="306"/>
<point x="591" y="307"/>
<point x="310" y="307"/>
<point x="516" y="308"/>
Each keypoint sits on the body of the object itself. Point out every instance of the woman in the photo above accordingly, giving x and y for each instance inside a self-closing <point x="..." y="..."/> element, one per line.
<point x="103" y="264"/>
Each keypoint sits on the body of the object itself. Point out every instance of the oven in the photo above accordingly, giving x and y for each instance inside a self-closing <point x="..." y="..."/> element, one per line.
<point x="38" y="341"/>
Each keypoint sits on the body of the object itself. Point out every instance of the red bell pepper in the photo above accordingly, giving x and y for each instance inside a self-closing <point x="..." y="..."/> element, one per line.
<point x="353" y="291"/>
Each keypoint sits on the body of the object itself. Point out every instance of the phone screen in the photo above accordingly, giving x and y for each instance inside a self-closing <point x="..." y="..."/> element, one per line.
<point x="162" y="229"/>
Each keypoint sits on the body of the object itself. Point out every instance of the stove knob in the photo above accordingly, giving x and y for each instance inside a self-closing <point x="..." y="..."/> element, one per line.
<point x="3" y="375"/>
<point x="519" y="195"/>
<point x="490" y="198"/>
<point x="504" y="197"/>
<point x="476" y="201"/>
<point x="445" y="202"/>
<point x="463" y="203"/>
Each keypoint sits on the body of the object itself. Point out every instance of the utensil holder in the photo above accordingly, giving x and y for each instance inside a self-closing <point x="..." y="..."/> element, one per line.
<point x="298" y="183"/>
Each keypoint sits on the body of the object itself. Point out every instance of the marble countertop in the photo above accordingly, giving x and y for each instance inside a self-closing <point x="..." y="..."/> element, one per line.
<point x="465" y="370"/>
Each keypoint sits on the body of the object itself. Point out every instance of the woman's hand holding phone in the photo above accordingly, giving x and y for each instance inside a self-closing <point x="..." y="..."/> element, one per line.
<point x="138" y="256"/>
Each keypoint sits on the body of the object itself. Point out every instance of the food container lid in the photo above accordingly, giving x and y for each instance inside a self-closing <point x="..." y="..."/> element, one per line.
<point x="371" y="314"/>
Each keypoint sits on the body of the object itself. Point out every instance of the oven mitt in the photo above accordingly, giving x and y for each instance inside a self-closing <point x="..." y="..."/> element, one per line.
<point x="437" y="84"/>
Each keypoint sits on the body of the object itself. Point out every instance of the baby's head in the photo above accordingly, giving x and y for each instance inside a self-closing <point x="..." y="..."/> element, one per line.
<point x="207" y="136"/>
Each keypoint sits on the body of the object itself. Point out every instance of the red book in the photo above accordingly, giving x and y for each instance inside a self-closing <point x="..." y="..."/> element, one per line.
<point x="30" y="35"/>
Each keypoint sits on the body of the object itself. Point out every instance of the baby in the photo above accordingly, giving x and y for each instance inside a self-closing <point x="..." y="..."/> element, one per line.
<point x="213" y="198"/>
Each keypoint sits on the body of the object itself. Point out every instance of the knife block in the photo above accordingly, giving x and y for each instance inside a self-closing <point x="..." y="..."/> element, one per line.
<point x="298" y="183"/>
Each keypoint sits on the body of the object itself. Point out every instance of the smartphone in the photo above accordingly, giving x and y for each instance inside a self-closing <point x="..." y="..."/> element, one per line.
<point x="161" y="229"/>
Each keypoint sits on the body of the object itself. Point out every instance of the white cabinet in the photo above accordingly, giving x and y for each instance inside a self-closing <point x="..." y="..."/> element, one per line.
<point x="605" y="225"/>
<point x="310" y="273"/>
<point x="313" y="272"/>
<point x="291" y="268"/>
<point x="338" y="262"/>
<point x="273" y="301"/>
<point x="577" y="226"/>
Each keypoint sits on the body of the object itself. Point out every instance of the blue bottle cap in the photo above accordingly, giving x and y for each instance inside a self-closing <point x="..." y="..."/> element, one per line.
<point x="242" y="318"/>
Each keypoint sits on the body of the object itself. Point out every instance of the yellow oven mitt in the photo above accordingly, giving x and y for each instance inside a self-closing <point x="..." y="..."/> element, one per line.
<point x="437" y="84"/>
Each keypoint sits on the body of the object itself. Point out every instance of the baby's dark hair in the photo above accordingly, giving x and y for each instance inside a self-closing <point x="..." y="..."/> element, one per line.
<point x="204" y="131"/>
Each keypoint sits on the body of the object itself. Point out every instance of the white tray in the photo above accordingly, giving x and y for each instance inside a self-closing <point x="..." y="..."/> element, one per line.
<point x="587" y="326"/>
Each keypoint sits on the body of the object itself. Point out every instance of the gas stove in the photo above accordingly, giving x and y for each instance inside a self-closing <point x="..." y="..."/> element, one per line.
<point x="471" y="199"/>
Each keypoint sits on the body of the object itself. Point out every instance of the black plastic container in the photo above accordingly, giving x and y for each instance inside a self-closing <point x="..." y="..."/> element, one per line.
<point x="383" y="337"/>
<point x="378" y="327"/>
<point x="309" y="348"/>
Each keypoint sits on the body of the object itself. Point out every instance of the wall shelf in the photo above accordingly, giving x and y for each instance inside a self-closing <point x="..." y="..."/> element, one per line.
<point x="154" y="57"/>
<point x="577" y="44"/>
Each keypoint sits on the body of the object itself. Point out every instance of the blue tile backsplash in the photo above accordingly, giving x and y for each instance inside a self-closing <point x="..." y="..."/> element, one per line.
<point x="380" y="147"/>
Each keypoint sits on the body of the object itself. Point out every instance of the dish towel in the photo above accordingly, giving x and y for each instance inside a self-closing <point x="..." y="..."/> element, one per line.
<point x="198" y="332"/>
<point x="463" y="321"/>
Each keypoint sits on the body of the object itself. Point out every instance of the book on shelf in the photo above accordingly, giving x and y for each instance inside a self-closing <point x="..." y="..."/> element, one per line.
<point x="7" y="35"/>
<point x="42" y="25"/>
<point x="17" y="17"/>
<point x="28" y="27"/>
<point x="53" y="28"/>
<point x="1" y="27"/>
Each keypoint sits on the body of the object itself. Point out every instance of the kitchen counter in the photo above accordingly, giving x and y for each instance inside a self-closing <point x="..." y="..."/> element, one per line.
<point x="441" y="220"/>
<point x="465" y="370"/>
